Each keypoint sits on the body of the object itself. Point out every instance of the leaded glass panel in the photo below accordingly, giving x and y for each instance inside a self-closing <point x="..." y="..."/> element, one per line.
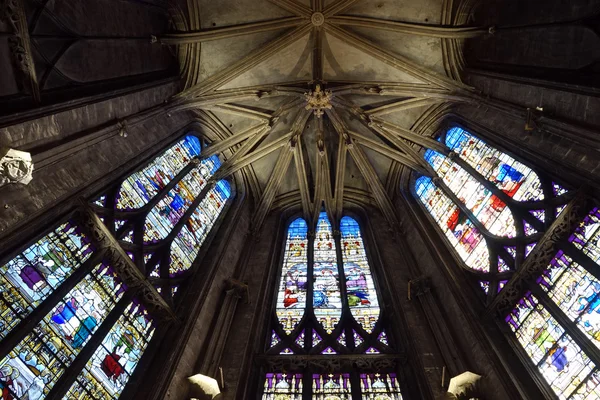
<point x="360" y="289"/>
<point x="30" y="277"/>
<point x="291" y="297"/>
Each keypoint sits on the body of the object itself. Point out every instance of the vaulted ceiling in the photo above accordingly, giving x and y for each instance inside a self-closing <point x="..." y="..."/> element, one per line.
<point x="251" y="67"/>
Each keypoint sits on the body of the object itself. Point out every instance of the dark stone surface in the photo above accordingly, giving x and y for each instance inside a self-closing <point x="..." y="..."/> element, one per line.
<point x="70" y="173"/>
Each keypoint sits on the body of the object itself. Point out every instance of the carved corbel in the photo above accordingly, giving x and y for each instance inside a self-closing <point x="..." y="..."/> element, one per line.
<point x="15" y="167"/>
<point x="13" y="14"/>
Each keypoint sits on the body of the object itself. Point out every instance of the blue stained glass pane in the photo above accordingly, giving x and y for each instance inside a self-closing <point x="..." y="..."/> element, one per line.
<point x="189" y="240"/>
<point x="141" y="186"/>
<point x="362" y="296"/>
<point x="30" y="277"/>
<point x="327" y="301"/>
<point x="40" y="359"/>
<point x="169" y="210"/>
<point x="458" y="229"/>
<point x="291" y="298"/>
<point x="509" y="175"/>
<point x="110" y="368"/>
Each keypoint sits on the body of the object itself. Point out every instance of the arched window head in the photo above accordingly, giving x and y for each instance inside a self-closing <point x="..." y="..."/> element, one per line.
<point x="555" y="325"/>
<point x="491" y="208"/>
<point x="327" y="305"/>
<point x="360" y="289"/>
<point x="142" y="186"/>
<point x="164" y="213"/>
<point x="291" y="298"/>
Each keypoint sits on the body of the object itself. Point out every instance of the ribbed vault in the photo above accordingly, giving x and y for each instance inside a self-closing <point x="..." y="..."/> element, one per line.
<point x="380" y="67"/>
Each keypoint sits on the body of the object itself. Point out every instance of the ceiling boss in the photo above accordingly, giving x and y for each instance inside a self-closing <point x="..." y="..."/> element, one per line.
<point x="318" y="100"/>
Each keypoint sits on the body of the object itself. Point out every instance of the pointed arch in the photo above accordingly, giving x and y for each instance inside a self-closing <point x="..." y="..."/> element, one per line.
<point x="327" y="306"/>
<point x="555" y="325"/>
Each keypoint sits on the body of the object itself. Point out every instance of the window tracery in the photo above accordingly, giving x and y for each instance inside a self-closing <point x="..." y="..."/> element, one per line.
<point x="327" y="306"/>
<point x="70" y="325"/>
<point x="556" y="322"/>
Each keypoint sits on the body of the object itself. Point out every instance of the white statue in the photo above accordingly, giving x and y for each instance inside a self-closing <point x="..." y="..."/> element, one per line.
<point x="15" y="167"/>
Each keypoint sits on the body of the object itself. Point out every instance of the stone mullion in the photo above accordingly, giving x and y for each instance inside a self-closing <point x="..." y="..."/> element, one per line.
<point x="59" y="390"/>
<point x="346" y="315"/>
<point x="511" y="203"/>
<point x="29" y="322"/>
<point x="569" y="326"/>
<point x="186" y="216"/>
<point x="581" y="258"/>
<point x="540" y="256"/>
<point x="118" y="259"/>
<point x="309" y="312"/>
<point x="438" y="182"/>
<point x="161" y="193"/>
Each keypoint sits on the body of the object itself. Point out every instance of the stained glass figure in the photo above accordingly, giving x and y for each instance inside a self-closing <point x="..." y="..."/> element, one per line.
<point x="557" y="356"/>
<point x="458" y="229"/>
<point x="169" y="210"/>
<point x="189" y="240"/>
<point x="360" y="289"/>
<point x="30" y="277"/>
<point x="41" y="358"/>
<point x="110" y="368"/>
<point x="282" y="387"/>
<point x="380" y="387"/>
<point x="509" y="175"/>
<point x="291" y="298"/>
<point x="141" y="186"/>
<point x="485" y="206"/>
<point x="327" y="300"/>
<point x="331" y="387"/>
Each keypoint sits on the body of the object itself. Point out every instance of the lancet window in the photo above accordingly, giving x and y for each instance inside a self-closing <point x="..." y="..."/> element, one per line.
<point x="483" y="201"/>
<point x="327" y="307"/>
<point x="491" y="208"/>
<point x="79" y="305"/>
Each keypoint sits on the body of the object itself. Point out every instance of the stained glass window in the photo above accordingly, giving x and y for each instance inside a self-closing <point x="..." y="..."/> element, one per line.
<point x="557" y="356"/>
<point x="42" y="356"/>
<point x="291" y="299"/>
<point x="360" y="289"/>
<point x="327" y="300"/>
<point x="111" y="366"/>
<point x="331" y="386"/>
<point x="76" y="329"/>
<point x="328" y="307"/>
<point x="283" y="387"/>
<point x="489" y="206"/>
<point x="139" y="188"/>
<point x="170" y="195"/>
<point x="510" y="207"/>
<point x="30" y="277"/>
